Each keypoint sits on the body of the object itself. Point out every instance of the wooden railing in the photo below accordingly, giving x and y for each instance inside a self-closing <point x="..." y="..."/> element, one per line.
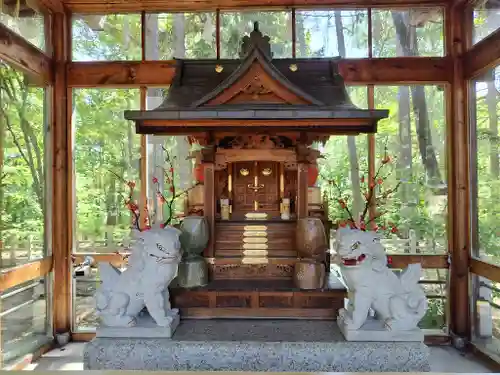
<point x="410" y="245"/>
<point x="16" y="251"/>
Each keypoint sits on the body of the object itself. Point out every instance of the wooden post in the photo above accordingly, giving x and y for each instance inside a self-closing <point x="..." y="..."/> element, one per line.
<point x="302" y="190"/>
<point x="62" y="212"/>
<point x="371" y="150"/>
<point x="143" y="169"/>
<point x="458" y="181"/>
<point x="209" y="205"/>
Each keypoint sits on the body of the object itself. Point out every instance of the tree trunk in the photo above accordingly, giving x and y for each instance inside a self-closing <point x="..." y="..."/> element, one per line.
<point x="357" y="204"/>
<point x="179" y="29"/>
<point x="407" y="39"/>
<point x="492" y="100"/>
<point x="301" y="37"/>
<point x="404" y="164"/>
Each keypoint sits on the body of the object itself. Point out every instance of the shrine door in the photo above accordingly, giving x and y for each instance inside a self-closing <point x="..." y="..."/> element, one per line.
<point x="256" y="188"/>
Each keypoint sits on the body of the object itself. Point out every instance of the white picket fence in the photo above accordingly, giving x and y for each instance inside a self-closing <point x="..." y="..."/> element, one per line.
<point x="410" y="245"/>
<point x="17" y="251"/>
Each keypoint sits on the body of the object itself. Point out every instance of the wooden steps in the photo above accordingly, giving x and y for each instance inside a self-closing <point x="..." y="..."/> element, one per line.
<point x="255" y="240"/>
<point x="257" y="299"/>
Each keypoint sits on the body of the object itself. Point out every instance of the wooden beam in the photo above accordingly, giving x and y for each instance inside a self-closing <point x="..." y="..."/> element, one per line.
<point x="115" y="259"/>
<point x="458" y="179"/>
<point x="26" y="272"/>
<point x="209" y="207"/>
<point x="487" y="270"/>
<point x="302" y="189"/>
<point x="51" y="6"/>
<point x="464" y="3"/>
<point x="401" y="70"/>
<point x="61" y="179"/>
<point x="483" y="56"/>
<point x="24" y="56"/>
<point x="114" y="6"/>
<point x="398" y="260"/>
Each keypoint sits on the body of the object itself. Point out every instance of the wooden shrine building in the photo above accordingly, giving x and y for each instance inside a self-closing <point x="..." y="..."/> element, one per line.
<point x="83" y="83"/>
<point x="257" y="119"/>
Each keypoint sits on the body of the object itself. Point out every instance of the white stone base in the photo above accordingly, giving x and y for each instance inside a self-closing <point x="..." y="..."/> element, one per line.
<point x="374" y="330"/>
<point x="146" y="328"/>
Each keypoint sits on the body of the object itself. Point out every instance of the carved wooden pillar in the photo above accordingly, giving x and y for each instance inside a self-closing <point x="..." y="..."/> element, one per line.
<point x="302" y="190"/>
<point x="209" y="205"/>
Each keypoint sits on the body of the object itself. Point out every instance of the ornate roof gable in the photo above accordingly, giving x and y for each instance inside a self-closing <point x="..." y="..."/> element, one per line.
<point x="256" y="81"/>
<point x="257" y="92"/>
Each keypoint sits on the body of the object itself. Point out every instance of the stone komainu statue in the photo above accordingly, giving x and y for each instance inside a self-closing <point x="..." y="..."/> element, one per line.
<point x="399" y="301"/>
<point x="152" y="266"/>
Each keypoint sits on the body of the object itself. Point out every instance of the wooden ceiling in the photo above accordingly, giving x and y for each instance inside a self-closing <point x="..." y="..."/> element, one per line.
<point x="111" y="6"/>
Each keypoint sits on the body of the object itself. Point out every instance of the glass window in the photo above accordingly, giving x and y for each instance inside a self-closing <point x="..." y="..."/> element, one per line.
<point x="413" y="32"/>
<point x="413" y="141"/>
<point x="106" y="37"/>
<point x="107" y="158"/>
<point x="435" y="284"/>
<point x="23" y="169"/>
<point x="24" y="318"/>
<point x="21" y="17"/>
<point x="276" y="25"/>
<point x="180" y="35"/>
<point x="344" y="160"/>
<point x="329" y="33"/>
<point x="486" y="20"/>
<point x="84" y="304"/>
<point x="486" y="319"/>
<point x="486" y="166"/>
<point x="164" y="153"/>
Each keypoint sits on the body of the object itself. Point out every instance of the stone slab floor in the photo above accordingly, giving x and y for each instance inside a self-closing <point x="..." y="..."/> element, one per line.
<point x="443" y="359"/>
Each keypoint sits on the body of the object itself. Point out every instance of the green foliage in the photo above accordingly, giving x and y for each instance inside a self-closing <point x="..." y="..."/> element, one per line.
<point x="487" y="112"/>
<point x="106" y="152"/>
<point x="30" y="28"/>
<point x="22" y="142"/>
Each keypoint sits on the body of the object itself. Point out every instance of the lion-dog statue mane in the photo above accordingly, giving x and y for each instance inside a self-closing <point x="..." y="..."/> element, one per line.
<point x="153" y="264"/>
<point x="398" y="301"/>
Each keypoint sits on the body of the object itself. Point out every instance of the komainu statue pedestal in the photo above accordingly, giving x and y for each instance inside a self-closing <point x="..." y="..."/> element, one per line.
<point x="374" y="330"/>
<point x="145" y="328"/>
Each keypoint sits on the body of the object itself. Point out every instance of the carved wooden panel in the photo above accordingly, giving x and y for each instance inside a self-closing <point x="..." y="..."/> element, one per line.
<point x="290" y="184"/>
<point x="243" y="197"/>
<point x="256" y="181"/>
<point x="252" y="271"/>
<point x="281" y="300"/>
<point x="221" y="184"/>
<point x="256" y="85"/>
<point x="186" y="298"/>
<point x="316" y="301"/>
<point x="233" y="300"/>
<point x="268" y="197"/>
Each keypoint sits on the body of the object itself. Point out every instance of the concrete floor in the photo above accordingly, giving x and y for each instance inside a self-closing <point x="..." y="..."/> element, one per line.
<point x="443" y="359"/>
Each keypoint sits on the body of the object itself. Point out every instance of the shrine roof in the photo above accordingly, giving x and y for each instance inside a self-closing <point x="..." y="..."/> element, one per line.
<point x="256" y="89"/>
